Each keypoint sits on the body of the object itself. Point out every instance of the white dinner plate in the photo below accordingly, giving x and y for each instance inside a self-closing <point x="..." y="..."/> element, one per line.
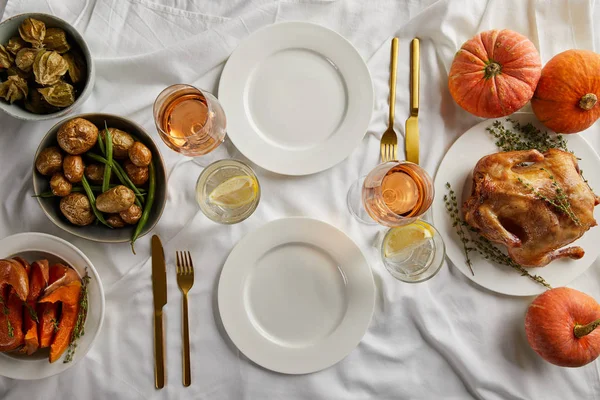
<point x="296" y="296"/>
<point x="298" y="98"/>
<point x="457" y="169"/>
<point x="34" y="246"/>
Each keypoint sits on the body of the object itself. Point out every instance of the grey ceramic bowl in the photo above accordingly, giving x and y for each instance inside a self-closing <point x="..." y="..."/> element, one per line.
<point x="10" y="28"/>
<point x="101" y="233"/>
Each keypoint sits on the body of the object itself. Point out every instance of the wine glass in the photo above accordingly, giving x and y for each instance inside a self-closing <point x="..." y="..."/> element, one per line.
<point x="393" y="194"/>
<point x="189" y="120"/>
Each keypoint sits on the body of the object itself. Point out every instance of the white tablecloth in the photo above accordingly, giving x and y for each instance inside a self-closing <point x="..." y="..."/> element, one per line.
<point x="446" y="338"/>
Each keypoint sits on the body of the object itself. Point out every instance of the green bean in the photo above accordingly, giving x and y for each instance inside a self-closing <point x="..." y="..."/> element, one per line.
<point x="148" y="207"/>
<point x="92" y="199"/>
<point x="80" y="189"/>
<point x="101" y="143"/>
<point x="121" y="175"/>
<point x="109" y="161"/>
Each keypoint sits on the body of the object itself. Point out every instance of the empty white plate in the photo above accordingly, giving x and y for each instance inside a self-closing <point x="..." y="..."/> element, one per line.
<point x="298" y="98"/>
<point x="296" y="296"/>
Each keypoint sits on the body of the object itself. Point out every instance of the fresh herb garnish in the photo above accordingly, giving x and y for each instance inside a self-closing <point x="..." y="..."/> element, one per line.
<point x="560" y="200"/>
<point x="524" y="137"/>
<point x="79" y="330"/>
<point x="32" y="312"/>
<point x="5" y="310"/>
<point x="480" y="244"/>
<point x="54" y="323"/>
<point x="11" y="330"/>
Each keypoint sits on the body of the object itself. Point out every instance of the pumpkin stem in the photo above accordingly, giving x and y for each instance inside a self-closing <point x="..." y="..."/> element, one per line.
<point x="582" y="330"/>
<point x="492" y="69"/>
<point x="588" y="101"/>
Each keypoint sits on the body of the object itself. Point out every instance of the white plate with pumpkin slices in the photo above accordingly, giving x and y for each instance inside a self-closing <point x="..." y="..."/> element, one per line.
<point x="457" y="169"/>
<point x="33" y="246"/>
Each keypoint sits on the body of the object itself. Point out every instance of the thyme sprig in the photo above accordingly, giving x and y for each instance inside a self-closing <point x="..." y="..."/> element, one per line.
<point x="54" y="323"/>
<point x="79" y="330"/>
<point x="458" y="224"/>
<point x="11" y="330"/>
<point x="480" y="244"/>
<point x="6" y="311"/>
<point x="32" y="312"/>
<point x="560" y="200"/>
<point x="524" y="137"/>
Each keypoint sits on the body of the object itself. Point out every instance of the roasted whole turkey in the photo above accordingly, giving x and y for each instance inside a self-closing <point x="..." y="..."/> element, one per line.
<point x="533" y="203"/>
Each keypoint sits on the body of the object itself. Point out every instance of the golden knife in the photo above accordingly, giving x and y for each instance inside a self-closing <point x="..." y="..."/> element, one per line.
<point x="412" y="123"/>
<point x="159" y="289"/>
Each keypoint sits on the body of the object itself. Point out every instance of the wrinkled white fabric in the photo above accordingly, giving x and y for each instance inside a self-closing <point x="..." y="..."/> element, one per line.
<point x="446" y="338"/>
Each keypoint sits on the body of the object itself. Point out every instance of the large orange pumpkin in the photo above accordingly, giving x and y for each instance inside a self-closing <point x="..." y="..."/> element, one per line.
<point x="566" y="98"/>
<point x="495" y="73"/>
<point x="561" y="327"/>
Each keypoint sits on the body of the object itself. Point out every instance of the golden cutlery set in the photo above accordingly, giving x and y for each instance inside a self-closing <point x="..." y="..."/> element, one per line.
<point x="185" y="281"/>
<point x="184" y="264"/>
<point x="389" y="140"/>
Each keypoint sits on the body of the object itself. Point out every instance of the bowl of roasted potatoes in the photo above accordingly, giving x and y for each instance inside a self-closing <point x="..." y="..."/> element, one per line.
<point x="100" y="177"/>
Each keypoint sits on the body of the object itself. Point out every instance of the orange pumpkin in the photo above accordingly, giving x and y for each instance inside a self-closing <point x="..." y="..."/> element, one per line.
<point x="561" y="327"/>
<point x="495" y="73"/>
<point x="566" y="98"/>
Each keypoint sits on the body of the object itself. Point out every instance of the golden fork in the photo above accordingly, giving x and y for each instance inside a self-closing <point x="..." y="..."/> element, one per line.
<point x="389" y="140"/>
<point x="185" y="281"/>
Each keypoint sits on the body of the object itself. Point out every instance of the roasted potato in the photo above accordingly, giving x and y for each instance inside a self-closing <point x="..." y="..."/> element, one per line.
<point x="77" y="208"/>
<point x="138" y="175"/>
<point x="73" y="168"/>
<point x="115" y="221"/>
<point x="115" y="200"/>
<point x="49" y="161"/>
<point x="59" y="185"/>
<point x="94" y="172"/>
<point x="132" y="215"/>
<point x="77" y="136"/>
<point x="122" y="142"/>
<point x="140" y="155"/>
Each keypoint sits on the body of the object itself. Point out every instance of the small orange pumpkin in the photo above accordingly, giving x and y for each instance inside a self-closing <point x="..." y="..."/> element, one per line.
<point x="566" y="98"/>
<point x="495" y="73"/>
<point x="561" y="327"/>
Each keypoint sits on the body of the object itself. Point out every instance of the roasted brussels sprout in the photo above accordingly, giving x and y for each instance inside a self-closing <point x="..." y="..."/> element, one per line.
<point x="77" y="208"/>
<point x="95" y="172"/>
<point x="15" y="44"/>
<point x="115" y="221"/>
<point x="132" y="215"/>
<point x="49" y="67"/>
<point x="122" y="142"/>
<point x="25" y="58"/>
<point x="73" y="168"/>
<point x="13" y="89"/>
<point x="138" y="175"/>
<point x="56" y="39"/>
<point x="6" y="58"/>
<point x="49" y="161"/>
<point x="115" y="200"/>
<point x="76" y="66"/>
<point x="77" y="136"/>
<point x="59" y="185"/>
<point x="140" y="155"/>
<point x="60" y="94"/>
<point x="33" y="31"/>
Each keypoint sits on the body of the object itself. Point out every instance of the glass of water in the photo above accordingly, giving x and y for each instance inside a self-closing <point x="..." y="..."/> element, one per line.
<point x="228" y="191"/>
<point x="413" y="253"/>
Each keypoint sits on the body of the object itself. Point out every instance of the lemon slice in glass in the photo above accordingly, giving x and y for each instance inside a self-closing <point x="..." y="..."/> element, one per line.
<point x="406" y="237"/>
<point x="234" y="192"/>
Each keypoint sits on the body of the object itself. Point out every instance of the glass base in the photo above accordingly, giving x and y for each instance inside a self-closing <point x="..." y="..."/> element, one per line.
<point x="355" y="204"/>
<point x="225" y="151"/>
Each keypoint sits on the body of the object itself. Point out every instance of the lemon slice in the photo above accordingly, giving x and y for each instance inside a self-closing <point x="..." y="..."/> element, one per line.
<point x="406" y="237"/>
<point x="235" y="192"/>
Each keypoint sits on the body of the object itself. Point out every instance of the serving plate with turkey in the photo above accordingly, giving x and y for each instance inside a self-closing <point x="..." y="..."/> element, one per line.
<point x="505" y="204"/>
